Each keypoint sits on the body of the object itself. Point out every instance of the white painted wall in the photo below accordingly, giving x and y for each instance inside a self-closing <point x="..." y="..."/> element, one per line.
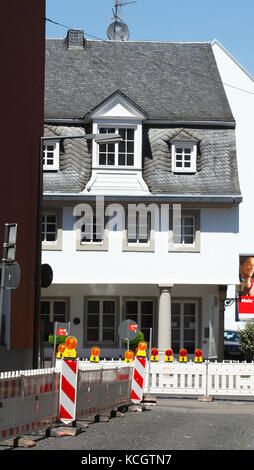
<point x="78" y="292"/>
<point x="215" y="264"/>
<point x="239" y="88"/>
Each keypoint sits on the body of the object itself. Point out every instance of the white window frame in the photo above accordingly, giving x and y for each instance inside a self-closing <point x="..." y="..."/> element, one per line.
<point x="139" y="314"/>
<point x="182" y="303"/>
<point x="56" y="151"/>
<point x="57" y="243"/>
<point x="183" y="234"/>
<point x="173" y="244"/>
<point x="193" y="156"/>
<point x="51" y="301"/>
<point x="100" y="313"/>
<point x="116" y="147"/>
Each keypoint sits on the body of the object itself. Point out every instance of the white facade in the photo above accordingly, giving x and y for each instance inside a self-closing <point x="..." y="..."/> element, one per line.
<point x="218" y="234"/>
<point x="160" y="275"/>
<point x="239" y="88"/>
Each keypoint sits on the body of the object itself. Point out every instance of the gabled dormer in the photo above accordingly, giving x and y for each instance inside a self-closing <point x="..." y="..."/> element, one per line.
<point x="184" y="153"/>
<point x="117" y="167"/>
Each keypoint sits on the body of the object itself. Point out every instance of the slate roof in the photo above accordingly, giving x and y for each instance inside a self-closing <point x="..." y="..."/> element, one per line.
<point x="175" y="81"/>
<point x="168" y="81"/>
<point x="216" y="162"/>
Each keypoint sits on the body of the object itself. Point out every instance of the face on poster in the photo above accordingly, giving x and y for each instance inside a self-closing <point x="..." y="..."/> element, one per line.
<point x="246" y="288"/>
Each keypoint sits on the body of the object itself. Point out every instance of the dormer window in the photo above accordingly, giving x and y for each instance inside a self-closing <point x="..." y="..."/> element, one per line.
<point x="184" y="153"/>
<point x="117" y="154"/>
<point x="51" y="156"/>
<point x="184" y="156"/>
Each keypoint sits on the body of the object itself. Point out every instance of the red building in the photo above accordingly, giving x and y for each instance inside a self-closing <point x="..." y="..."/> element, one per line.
<point x="22" y="97"/>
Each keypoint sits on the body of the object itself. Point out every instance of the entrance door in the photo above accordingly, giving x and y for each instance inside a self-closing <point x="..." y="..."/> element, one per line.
<point x="184" y="325"/>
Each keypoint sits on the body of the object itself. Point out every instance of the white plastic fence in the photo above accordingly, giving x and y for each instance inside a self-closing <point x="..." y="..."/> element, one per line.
<point x="190" y="378"/>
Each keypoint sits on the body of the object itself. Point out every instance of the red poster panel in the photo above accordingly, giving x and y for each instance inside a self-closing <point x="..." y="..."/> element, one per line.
<point x="245" y="290"/>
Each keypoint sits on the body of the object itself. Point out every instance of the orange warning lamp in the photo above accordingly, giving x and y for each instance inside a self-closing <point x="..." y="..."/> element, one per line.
<point x="154" y="355"/>
<point x="142" y="346"/>
<point x="183" y="355"/>
<point x="60" y="350"/>
<point x="95" y="353"/>
<point x="128" y="357"/>
<point x="71" y="342"/>
<point x="169" y="355"/>
<point x="198" y="355"/>
<point x="70" y="347"/>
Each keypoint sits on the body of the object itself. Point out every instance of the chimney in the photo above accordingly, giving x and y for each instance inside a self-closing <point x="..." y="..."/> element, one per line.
<point x="75" y="39"/>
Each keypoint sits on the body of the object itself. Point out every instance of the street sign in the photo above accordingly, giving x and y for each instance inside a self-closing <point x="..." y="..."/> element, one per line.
<point x="46" y="275"/>
<point x="128" y="330"/>
<point x="12" y="276"/>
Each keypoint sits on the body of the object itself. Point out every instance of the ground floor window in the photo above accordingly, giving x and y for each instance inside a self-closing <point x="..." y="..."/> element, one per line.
<point x="100" y="320"/>
<point x="184" y="326"/>
<point x="141" y="311"/>
<point x="52" y="310"/>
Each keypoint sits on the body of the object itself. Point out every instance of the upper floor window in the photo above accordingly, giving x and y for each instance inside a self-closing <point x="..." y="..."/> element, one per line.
<point x="51" y="155"/>
<point x="121" y="154"/>
<point x="184" y="231"/>
<point x="51" y="232"/>
<point x="184" y="156"/>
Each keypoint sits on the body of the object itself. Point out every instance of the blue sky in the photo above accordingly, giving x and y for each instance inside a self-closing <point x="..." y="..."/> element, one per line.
<point x="229" y="21"/>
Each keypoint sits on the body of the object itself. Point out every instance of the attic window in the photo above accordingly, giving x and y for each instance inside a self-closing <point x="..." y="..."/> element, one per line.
<point x="184" y="156"/>
<point x="51" y="156"/>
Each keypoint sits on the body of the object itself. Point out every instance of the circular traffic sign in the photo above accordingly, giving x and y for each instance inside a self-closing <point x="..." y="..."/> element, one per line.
<point x="128" y="329"/>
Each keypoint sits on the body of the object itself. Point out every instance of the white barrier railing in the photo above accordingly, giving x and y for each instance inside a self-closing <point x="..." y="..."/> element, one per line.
<point x="190" y="378"/>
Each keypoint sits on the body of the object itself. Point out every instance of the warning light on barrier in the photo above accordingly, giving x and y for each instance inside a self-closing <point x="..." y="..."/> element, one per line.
<point x="142" y="346"/>
<point x="128" y="357"/>
<point x="154" y="355"/>
<point x="95" y="353"/>
<point x="70" y="347"/>
<point x="169" y="355"/>
<point x="60" y="350"/>
<point x="183" y="355"/>
<point x="198" y="355"/>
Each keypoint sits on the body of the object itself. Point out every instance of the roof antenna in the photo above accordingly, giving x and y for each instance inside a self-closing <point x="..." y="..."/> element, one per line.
<point x="118" y="30"/>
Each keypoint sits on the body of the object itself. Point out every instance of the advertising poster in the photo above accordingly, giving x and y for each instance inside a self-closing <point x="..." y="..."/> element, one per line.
<point x="245" y="290"/>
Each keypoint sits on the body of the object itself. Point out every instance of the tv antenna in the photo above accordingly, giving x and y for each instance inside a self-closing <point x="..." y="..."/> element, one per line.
<point x="118" y="29"/>
<point x="118" y="6"/>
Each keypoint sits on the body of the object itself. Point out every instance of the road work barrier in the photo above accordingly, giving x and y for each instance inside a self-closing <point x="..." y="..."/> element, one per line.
<point x="30" y="400"/>
<point x="205" y="378"/>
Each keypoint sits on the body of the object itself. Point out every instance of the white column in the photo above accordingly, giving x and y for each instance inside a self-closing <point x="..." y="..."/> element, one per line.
<point x="164" y="318"/>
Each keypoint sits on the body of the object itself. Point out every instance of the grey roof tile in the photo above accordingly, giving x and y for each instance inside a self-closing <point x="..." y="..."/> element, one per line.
<point x="176" y="81"/>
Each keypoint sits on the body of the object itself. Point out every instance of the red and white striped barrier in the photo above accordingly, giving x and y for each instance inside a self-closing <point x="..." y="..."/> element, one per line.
<point x="138" y="379"/>
<point x="68" y="390"/>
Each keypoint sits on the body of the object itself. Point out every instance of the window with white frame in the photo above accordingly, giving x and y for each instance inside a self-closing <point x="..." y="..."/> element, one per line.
<point x="187" y="231"/>
<point x="51" y="155"/>
<point x="101" y="320"/>
<point x="184" y="326"/>
<point x="184" y="231"/>
<point x="117" y="155"/>
<point x="138" y="228"/>
<point x="51" y="232"/>
<point x="49" y="227"/>
<point x="92" y="231"/>
<point x="141" y="311"/>
<point x="53" y="310"/>
<point x="184" y="156"/>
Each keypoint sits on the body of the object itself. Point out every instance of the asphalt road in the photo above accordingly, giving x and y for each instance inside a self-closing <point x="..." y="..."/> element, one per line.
<point x="174" y="424"/>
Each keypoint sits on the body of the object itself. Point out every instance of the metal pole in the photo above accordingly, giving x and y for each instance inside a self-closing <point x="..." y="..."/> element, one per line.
<point x="150" y="348"/>
<point x="3" y="272"/>
<point x="38" y="263"/>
